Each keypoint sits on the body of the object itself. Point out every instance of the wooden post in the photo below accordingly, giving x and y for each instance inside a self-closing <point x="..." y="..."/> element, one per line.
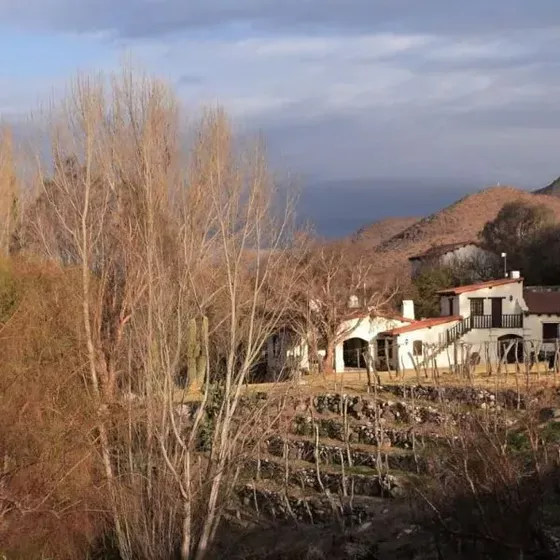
<point x="487" y="360"/>
<point x="387" y="359"/>
<point x="556" y="358"/>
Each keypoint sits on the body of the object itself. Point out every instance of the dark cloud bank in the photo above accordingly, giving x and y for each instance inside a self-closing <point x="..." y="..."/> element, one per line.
<point x="475" y="141"/>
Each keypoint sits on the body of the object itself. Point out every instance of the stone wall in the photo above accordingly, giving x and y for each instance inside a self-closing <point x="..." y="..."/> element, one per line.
<point x="330" y="454"/>
<point x="386" y="485"/>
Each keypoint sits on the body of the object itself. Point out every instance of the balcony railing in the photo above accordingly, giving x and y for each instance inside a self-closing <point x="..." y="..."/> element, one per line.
<point x="456" y="331"/>
<point x="512" y="321"/>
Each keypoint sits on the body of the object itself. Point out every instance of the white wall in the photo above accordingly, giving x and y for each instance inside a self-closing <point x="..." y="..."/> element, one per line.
<point x="533" y="328"/>
<point x="290" y="349"/>
<point x="468" y="252"/>
<point x="482" y="341"/>
<point x="428" y="336"/>
<point x="367" y="329"/>
<point x="515" y="305"/>
<point x="407" y="309"/>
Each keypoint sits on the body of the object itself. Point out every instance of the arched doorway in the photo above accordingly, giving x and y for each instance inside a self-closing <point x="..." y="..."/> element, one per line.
<point x="354" y="351"/>
<point x="510" y="348"/>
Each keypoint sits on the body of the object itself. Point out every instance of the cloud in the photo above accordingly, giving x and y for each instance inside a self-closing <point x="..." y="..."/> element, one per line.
<point x="402" y="89"/>
<point x="143" y="18"/>
<point x="375" y="104"/>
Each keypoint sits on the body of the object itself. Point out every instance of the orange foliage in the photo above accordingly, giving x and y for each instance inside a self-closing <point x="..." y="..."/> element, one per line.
<point x="49" y="502"/>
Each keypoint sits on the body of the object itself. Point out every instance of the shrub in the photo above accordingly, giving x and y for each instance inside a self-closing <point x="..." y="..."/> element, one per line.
<point x="49" y="498"/>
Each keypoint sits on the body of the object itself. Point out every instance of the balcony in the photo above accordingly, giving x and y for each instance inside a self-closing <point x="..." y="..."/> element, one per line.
<point x="513" y="321"/>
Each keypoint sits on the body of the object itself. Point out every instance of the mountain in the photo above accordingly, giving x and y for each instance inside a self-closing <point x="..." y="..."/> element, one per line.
<point x="552" y="190"/>
<point x="379" y="232"/>
<point x="337" y="208"/>
<point x="461" y="221"/>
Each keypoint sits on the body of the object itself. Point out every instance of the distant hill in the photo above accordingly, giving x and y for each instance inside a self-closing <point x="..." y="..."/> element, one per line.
<point x="551" y="190"/>
<point x="379" y="232"/>
<point x="338" y="208"/>
<point x="459" y="222"/>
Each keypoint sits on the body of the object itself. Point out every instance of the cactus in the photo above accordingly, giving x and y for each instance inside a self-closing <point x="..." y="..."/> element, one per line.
<point x="191" y="351"/>
<point x="201" y="361"/>
<point x="197" y="345"/>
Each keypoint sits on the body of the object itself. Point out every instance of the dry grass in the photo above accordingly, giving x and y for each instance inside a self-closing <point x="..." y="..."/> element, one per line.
<point x="355" y="382"/>
<point x="382" y="231"/>
<point x="51" y="495"/>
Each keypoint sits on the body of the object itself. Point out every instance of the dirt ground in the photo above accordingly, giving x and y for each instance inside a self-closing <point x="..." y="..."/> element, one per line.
<point x="355" y="381"/>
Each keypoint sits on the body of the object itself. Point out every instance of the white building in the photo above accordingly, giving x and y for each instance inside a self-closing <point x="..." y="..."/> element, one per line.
<point x="449" y="254"/>
<point x="543" y="319"/>
<point x="356" y="341"/>
<point x="491" y="321"/>
<point x="359" y="335"/>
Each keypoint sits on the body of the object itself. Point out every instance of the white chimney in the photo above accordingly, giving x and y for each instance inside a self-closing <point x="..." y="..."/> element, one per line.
<point x="408" y="309"/>
<point x="515" y="274"/>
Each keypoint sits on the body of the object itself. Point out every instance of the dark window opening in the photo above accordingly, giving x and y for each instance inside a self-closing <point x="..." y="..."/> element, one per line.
<point x="417" y="348"/>
<point x="549" y="331"/>
<point x="477" y="307"/>
<point x="451" y="307"/>
<point x="355" y="352"/>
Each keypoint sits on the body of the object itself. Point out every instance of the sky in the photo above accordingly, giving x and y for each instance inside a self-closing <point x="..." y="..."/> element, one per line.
<point x="379" y="107"/>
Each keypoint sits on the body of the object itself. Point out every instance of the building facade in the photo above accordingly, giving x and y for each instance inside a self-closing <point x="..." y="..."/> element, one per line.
<point x="495" y="321"/>
<point x="450" y="254"/>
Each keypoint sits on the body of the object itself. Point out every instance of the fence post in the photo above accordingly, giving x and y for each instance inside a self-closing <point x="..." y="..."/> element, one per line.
<point x="556" y="358"/>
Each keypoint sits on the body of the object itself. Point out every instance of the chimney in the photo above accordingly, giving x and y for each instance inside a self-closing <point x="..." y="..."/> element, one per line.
<point x="515" y="274"/>
<point x="408" y="309"/>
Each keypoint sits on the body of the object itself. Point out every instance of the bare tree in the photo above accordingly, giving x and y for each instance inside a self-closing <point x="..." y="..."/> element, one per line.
<point x="164" y="240"/>
<point x="334" y="290"/>
<point x="9" y="191"/>
<point x="254" y="273"/>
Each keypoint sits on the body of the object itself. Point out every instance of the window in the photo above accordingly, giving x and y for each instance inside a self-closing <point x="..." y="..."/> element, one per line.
<point x="477" y="307"/>
<point x="417" y="348"/>
<point x="549" y="331"/>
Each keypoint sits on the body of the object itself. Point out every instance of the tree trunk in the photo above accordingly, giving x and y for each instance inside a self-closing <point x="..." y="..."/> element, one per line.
<point x="329" y="359"/>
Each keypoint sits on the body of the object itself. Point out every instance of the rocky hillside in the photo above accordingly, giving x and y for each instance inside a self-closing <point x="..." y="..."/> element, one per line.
<point x="459" y="222"/>
<point x="377" y="233"/>
<point x="552" y="190"/>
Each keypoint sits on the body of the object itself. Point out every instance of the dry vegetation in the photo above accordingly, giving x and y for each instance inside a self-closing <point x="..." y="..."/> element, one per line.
<point x="143" y="260"/>
<point x="382" y="231"/>
<point x="144" y="272"/>
<point x="462" y="221"/>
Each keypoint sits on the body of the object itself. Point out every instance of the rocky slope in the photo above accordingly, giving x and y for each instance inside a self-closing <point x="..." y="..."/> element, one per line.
<point x="346" y="466"/>
<point x="379" y="232"/>
<point x="459" y="222"/>
<point x="553" y="189"/>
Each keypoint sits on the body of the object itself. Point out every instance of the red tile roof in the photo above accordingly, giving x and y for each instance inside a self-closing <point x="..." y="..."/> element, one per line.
<point x="480" y="286"/>
<point x="542" y="302"/>
<point x="424" y="324"/>
<point x="396" y="317"/>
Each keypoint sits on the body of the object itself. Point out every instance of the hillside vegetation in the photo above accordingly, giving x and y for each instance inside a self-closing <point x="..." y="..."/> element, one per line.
<point x="379" y="232"/>
<point x="141" y="282"/>
<point x="462" y="221"/>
